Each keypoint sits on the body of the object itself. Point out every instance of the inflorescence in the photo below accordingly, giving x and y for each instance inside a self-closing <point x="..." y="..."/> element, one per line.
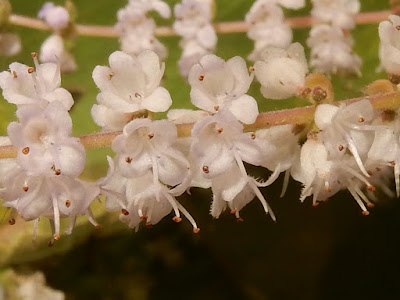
<point x="346" y="146"/>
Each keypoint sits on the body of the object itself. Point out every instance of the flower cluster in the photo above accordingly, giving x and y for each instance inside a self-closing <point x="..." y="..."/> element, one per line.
<point x="267" y="25"/>
<point x="193" y="23"/>
<point x="42" y="180"/>
<point x="136" y="29"/>
<point x="330" y="42"/>
<point x="54" y="47"/>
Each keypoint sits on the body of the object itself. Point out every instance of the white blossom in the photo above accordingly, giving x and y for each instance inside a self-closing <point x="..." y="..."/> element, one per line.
<point x="346" y="127"/>
<point x="339" y="13"/>
<point x="44" y="143"/>
<point x="218" y="85"/>
<point x="282" y="73"/>
<point x="129" y="85"/>
<point x="389" y="50"/>
<point x="53" y="50"/>
<point x="193" y="23"/>
<point x="137" y="30"/>
<point x="331" y="50"/>
<point x="39" y="85"/>
<point x="57" y="17"/>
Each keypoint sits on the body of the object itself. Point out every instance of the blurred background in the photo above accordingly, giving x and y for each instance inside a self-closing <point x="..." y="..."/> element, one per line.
<point x="327" y="252"/>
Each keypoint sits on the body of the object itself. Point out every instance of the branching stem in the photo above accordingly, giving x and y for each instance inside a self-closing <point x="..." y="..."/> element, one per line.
<point x="295" y="116"/>
<point x="224" y="27"/>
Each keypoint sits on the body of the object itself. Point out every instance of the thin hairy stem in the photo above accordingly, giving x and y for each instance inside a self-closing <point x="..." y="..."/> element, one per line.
<point x="296" y="116"/>
<point x="223" y="27"/>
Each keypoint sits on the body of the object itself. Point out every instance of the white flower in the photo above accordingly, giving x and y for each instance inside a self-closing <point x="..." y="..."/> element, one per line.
<point x="219" y="85"/>
<point x="151" y="201"/>
<point x="220" y="141"/>
<point x="44" y="142"/>
<point x="51" y="197"/>
<point x="292" y="4"/>
<point x="323" y="176"/>
<point x="331" y="51"/>
<point x="57" y="17"/>
<point x="148" y="145"/>
<point x="53" y="50"/>
<point x="39" y="86"/>
<point x="282" y="73"/>
<point x="389" y="51"/>
<point x="136" y="29"/>
<point x="10" y="44"/>
<point x="191" y="55"/>
<point x="129" y="85"/>
<point x="346" y="127"/>
<point x="279" y="35"/>
<point x="282" y="151"/>
<point x="192" y="18"/>
<point x="339" y="12"/>
<point x="235" y="191"/>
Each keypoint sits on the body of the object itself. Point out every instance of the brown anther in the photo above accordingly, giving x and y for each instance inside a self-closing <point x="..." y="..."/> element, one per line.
<point x="240" y="219"/>
<point x="370" y="205"/>
<point x="34" y="54"/>
<point x="341" y="147"/>
<point x="148" y="224"/>
<point x="319" y="94"/>
<point x="371" y="188"/>
<point x="369" y="173"/>
<point x="31" y="70"/>
<point x="97" y="226"/>
<point x="328" y="189"/>
<point x="128" y="159"/>
<point x="110" y="75"/>
<point x="57" y="172"/>
<point x="219" y="130"/>
<point x="253" y="136"/>
<point x="150" y="136"/>
<point x="25" y="150"/>
<point x="14" y="74"/>
<point x="398" y="27"/>
<point x="378" y="169"/>
<point x="233" y="211"/>
<point x="205" y="169"/>
<point x="361" y="120"/>
<point x="392" y="164"/>
<point x="365" y="212"/>
<point x="56" y="237"/>
<point x="25" y="188"/>
<point x="67" y="203"/>
<point x="216" y="107"/>
<point x="11" y="221"/>
<point x="201" y="77"/>
<point x="315" y="204"/>
<point x="176" y="219"/>
<point x="137" y="95"/>
<point x="124" y="212"/>
<point x="196" y="230"/>
<point x="144" y="217"/>
<point x="251" y="69"/>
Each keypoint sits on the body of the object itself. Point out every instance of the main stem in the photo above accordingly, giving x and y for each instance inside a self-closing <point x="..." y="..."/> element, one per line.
<point x="223" y="27"/>
<point x="296" y="116"/>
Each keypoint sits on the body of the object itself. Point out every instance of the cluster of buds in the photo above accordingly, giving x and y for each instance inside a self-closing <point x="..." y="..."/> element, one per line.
<point x="136" y="29"/>
<point x="54" y="48"/>
<point x="193" y="24"/>
<point x="330" y="41"/>
<point x="267" y="25"/>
